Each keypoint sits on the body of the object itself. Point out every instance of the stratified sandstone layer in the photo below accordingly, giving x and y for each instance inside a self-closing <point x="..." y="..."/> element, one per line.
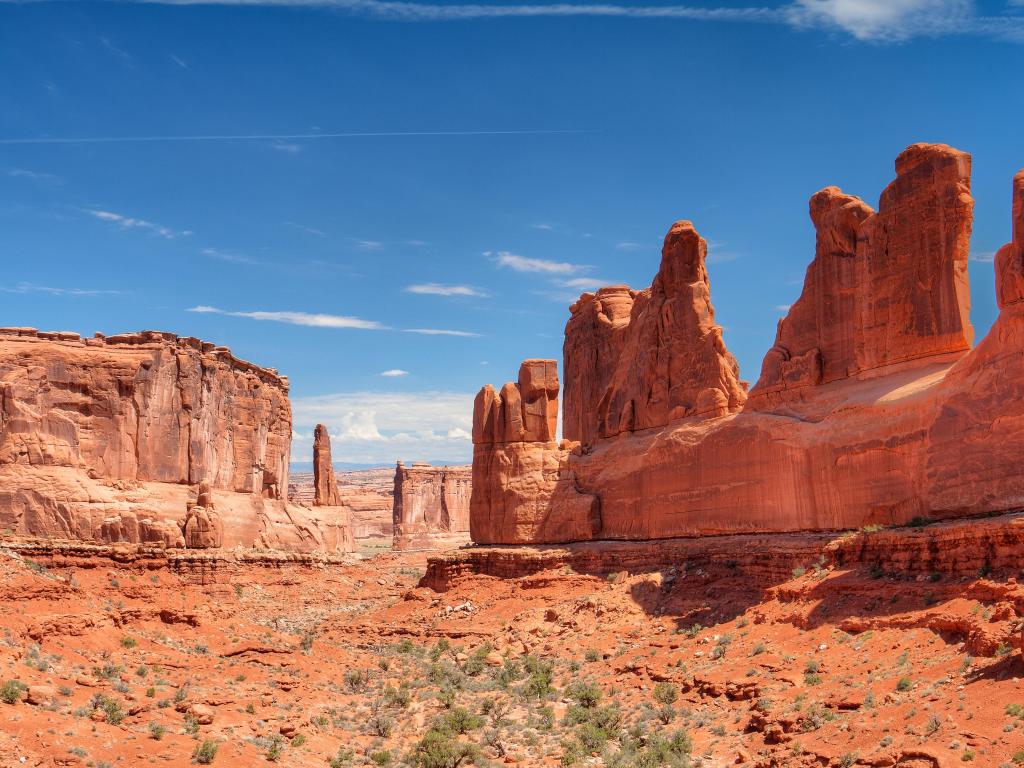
<point x="431" y="506"/>
<point x="871" y="407"/>
<point x="106" y="439"/>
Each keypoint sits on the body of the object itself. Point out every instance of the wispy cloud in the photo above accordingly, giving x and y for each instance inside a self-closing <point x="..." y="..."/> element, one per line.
<point x="526" y="264"/>
<point x="291" y="149"/>
<point x="984" y="256"/>
<point x="179" y="61"/>
<point x="36" y="176"/>
<point x="262" y="137"/>
<point x="587" y="283"/>
<point x="312" y="320"/>
<point x="380" y="427"/>
<point x="866" y="20"/>
<point x="437" y="289"/>
<point x="394" y="373"/>
<point x="33" y="288"/>
<point x="233" y="258"/>
<point x="782" y="307"/>
<point x="544" y="227"/>
<point x="441" y="332"/>
<point x="120" y="53"/>
<point x="627" y="246"/>
<point x="369" y="245"/>
<point x="130" y="222"/>
<point x="307" y="230"/>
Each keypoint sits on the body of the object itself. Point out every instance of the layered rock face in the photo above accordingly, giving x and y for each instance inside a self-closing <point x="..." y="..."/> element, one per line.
<point x="885" y="287"/>
<point x="521" y="488"/>
<point x="325" y="489"/>
<point x="871" y="407"/>
<point x="103" y="439"/>
<point x="431" y="506"/>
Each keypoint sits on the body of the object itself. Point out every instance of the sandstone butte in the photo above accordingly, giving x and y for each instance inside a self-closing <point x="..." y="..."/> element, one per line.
<point x="115" y="439"/>
<point x="431" y="506"/>
<point x="871" y="407"/>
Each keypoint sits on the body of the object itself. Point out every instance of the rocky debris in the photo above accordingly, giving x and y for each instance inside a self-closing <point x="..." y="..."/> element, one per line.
<point x="431" y="506"/>
<point x="871" y="408"/>
<point x="325" y="490"/>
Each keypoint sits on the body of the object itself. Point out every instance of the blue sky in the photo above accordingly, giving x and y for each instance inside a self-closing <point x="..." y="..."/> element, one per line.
<point x="504" y="158"/>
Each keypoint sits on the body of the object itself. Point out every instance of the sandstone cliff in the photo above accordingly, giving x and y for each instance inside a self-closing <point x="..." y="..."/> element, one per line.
<point x="431" y="506"/>
<point x="105" y="439"/>
<point x="871" y="407"/>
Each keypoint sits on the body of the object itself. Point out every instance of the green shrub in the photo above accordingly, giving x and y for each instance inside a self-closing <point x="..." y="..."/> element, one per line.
<point x="128" y="642"/>
<point x="11" y="691"/>
<point x="205" y="753"/>
<point x="157" y="731"/>
<point x="904" y="684"/>
<point x="586" y="694"/>
<point x="438" y="749"/>
<point x="665" y="693"/>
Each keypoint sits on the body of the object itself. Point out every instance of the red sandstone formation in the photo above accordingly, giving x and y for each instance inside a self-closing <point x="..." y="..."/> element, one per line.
<point x="203" y="528"/>
<point x="870" y="408"/>
<point x="102" y="439"/>
<point x="325" y="490"/>
<point x="886" y="287"/>
<point x="517" y="493"/>
<point x="673" y="362"/>
<point x="431" y="508"/>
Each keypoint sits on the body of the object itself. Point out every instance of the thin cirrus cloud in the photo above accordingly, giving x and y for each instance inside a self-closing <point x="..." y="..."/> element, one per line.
<point x="393" y="373"/>
<point x="527" y="264"/>
<point x="130" y="222"/>
<point x="232" y="258"/>
<point x="587" y="283"/>
<point x="864" y="20"/>
<point x="313" y="320"/>
<point x="437" y="289"/>
<point x="52" y="291"/>
<point x="320" y="320"/>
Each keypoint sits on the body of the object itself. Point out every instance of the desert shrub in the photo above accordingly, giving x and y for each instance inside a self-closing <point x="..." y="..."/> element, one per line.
<point x="356" y="680"/>
<point x="437" y="749"/>
<point x="591" y="655"/>
<point x="458" y="720"/>
<point x="586" y="694"/>
<point x="128" y="642"/>
<point x="540" y="674"/>
<point x="11" y="691"/>
<point x="665" y="693"/>
<point x="904" y="684"/>
<point x="400" y="697"/>
<point x="157" y="731"/>
<point x="342" y="758"/>
<point x="205" y="753"/>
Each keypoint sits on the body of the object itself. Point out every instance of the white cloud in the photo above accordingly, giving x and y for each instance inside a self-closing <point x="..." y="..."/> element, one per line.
<point x="36" y="176"/>
<point x="369" y="245"/>
<point x="436" y="289"/>
<point x="291" y="149"/>
<point x="883" y="20"/>
<point x="382" y="427"/>
<point x="526" y="264"/>
<point x="394" y="373"/>
<point x="33" y="288"/>
<point x="874" y="20"/>
<point x="129" y="222"/>
<point x="587" y="283"/>
<point x="308" y="230"/>
<point x="234" y="258"/>
<point x="544" y="227"/>
<point x="984" y="256"/>
<point x="782" y="307"/>
<point x="627" y="246"/>
<point x="297" y="318"/>
<point x="441" y="332"/>
<point x="179" y="61"/>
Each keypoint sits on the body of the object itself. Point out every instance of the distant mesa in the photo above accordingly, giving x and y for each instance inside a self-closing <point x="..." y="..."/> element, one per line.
<point x="870" y="408"/>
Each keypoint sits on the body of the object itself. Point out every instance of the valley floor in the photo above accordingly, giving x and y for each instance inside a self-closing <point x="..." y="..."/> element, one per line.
<point x="107" y="663"/>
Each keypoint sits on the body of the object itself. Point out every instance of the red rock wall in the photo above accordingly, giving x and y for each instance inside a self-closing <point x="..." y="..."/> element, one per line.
<point x="431" y="506"/>
<point x="105" y="439"/>
<point x="870" y="408"/>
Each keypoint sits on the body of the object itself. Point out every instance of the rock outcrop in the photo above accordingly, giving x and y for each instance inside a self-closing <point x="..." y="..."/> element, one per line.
<point x="521" y="488"/>
<point x="203" y="528"/>
<point x="884" y="288"/>
<point x="325" y="489"/>
<point x="431" y="506"/>
<point x="366" y="492"/>
<point x="104" y="439"/>
<point x="871" y="407"/>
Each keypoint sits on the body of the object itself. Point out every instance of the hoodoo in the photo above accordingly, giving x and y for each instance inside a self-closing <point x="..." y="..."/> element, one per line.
<point x="871" y="406"/>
